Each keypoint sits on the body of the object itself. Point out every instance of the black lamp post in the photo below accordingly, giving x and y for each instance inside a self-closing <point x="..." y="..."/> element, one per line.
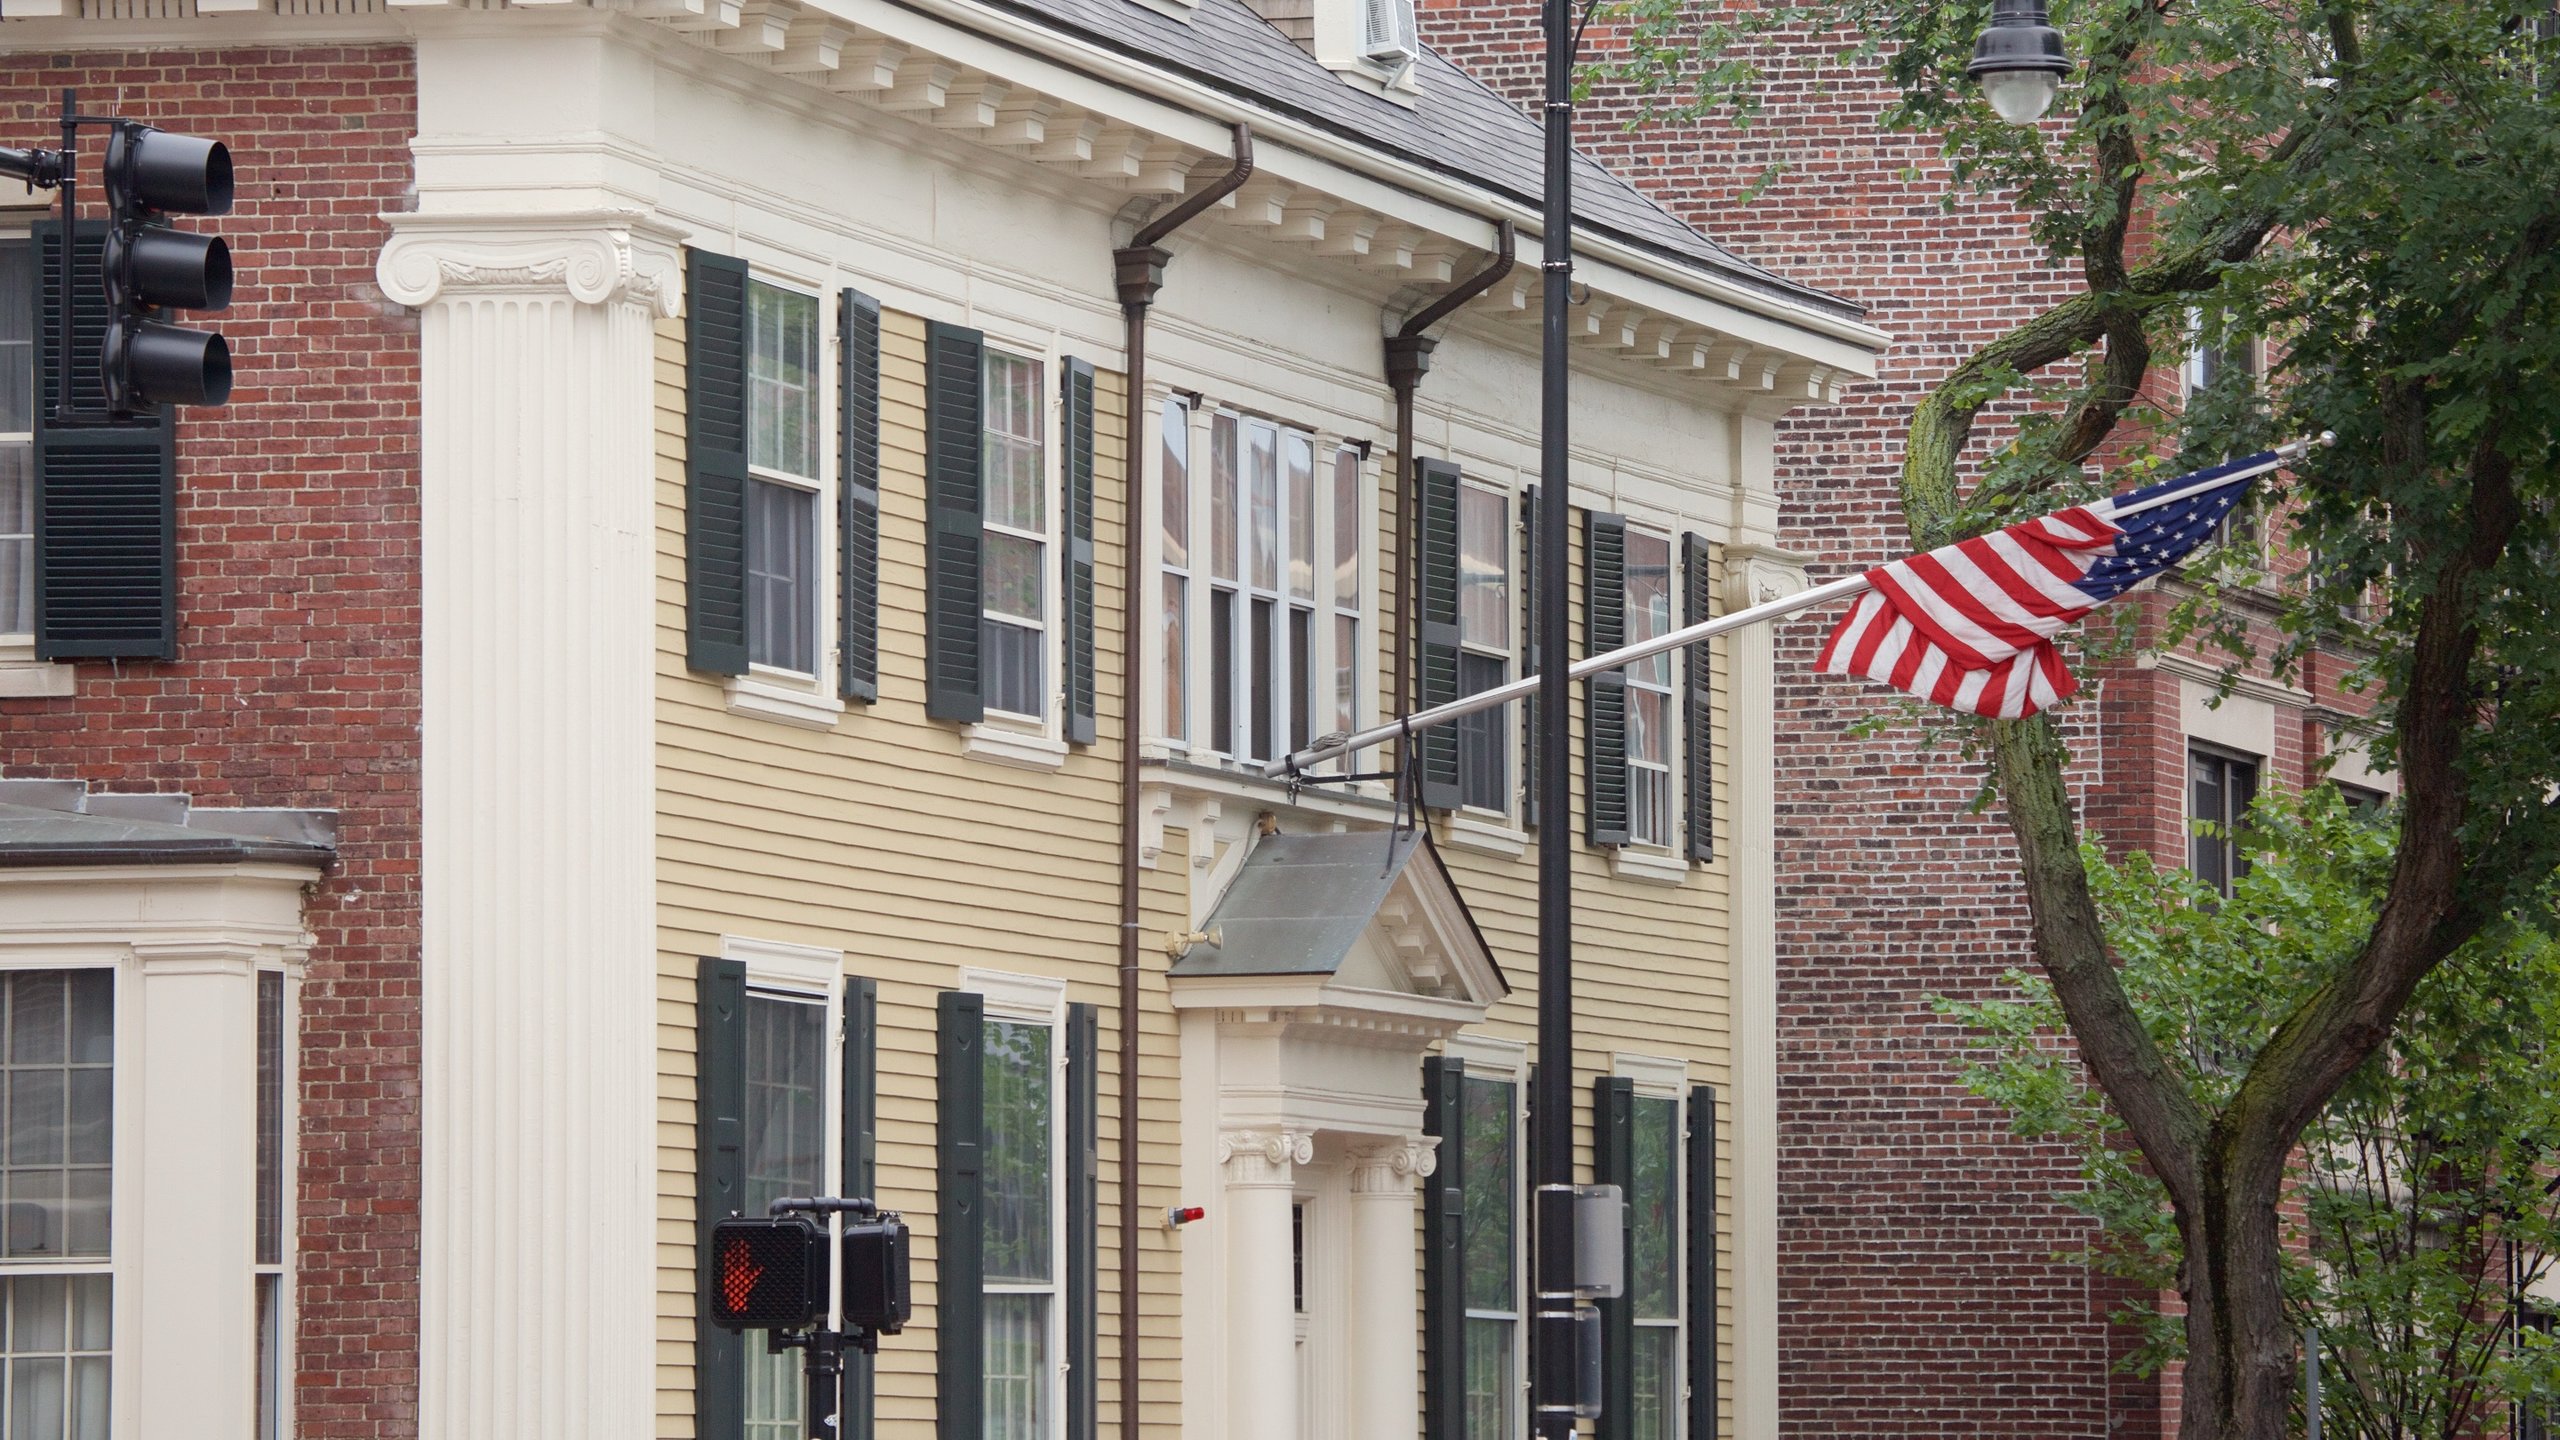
<point x="2019" y="61"/>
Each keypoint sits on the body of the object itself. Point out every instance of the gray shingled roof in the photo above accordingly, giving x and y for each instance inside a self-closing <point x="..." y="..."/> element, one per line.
<point x="1459" y="128"/>
<point x="61" y="822"/>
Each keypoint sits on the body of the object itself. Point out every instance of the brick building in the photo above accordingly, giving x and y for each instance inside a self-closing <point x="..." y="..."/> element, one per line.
<point x="1922" y="1289"/>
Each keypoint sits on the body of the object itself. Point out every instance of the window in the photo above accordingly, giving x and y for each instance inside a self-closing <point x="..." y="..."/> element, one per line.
<point x="784" y="477"/>
<point x="1484" y="640"/>
<point x="57" y="1134"/>
<point x="1490" y="1246"/>
<point x="272" y="1172"/>
<point x="17" y="439"/>
<point x="1023" y="1236"/>
<point x="2537" y="1415"/>
<point x="1017" y="536"/>
<point x="2362" y="801"/>
<point x="1175" y="559"/>
<point x="786" y="1146"/>
<point x="1279" y="620"/>
<point x="2221" y="784"/>
<point x="1653" y="1287"/>
<point x="1648" y="690"/>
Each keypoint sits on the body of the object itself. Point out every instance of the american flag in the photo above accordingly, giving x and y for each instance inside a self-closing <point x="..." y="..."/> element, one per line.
<point x="1971" y="625"/>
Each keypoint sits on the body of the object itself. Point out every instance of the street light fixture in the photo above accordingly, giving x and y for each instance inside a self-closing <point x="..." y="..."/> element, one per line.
<point x="2019" y="61"/>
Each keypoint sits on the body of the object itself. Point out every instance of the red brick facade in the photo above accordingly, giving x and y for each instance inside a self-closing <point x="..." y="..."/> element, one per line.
<point x="297" y="682"/>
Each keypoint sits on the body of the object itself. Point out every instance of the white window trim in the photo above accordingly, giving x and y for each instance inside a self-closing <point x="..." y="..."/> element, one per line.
<point x="288" y="1209"/>
<point x="1668" y="846"/>
<point x="22" y="675"/>
<point x="1040" y="1000"/>
<point x="1052" y="568"/>
<point x="1509" y="654"/>
<point x="805" y="973"/>
<point x="1159" y="720"/>
<point x="804" y="699"/>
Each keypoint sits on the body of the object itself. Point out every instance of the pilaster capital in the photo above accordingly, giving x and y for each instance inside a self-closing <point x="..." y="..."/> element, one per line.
<point x="1758" y="574"/>
<point x="1392" y="1168"/>
<point x="1264" y="1156"/>
<point x="597" y="257"/>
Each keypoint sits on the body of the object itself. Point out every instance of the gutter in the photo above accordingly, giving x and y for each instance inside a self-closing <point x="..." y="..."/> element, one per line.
<point x="1138" y="268"/>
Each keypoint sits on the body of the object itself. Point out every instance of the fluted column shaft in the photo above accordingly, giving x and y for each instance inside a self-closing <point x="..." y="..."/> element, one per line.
<point x="1261" y="1189"/>
<point x="1385" y="1372"/>
<point x="538" y="1085"/>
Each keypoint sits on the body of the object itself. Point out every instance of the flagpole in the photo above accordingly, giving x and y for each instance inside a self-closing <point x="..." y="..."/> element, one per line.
<point x="1336" y="746"/>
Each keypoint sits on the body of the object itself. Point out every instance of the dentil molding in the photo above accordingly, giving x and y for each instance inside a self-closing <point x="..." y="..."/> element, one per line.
<point x="598" y="257"/>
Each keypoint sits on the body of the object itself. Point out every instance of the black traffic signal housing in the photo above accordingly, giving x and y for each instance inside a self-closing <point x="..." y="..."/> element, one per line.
<point x="152" y="267"/>
<point x="876" y="1301"/>
<point x="768" y="1274"/>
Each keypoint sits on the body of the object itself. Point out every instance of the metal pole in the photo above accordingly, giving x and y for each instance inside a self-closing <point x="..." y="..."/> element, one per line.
<point x="1551" y="1386"/>
<point x="824" y="1366"/>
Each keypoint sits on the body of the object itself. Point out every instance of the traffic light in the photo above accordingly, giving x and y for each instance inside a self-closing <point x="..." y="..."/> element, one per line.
<point x="153" y="267"/>
<point x="768" y="1274"/>
<point x="875" y="1274"/>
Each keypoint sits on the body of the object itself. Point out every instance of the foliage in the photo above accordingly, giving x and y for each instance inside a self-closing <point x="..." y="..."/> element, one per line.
<point x="2430" y="1166"/>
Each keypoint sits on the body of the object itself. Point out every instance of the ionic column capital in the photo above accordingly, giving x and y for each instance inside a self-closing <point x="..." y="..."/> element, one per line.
<point x="1264" y="1156"/>
<point x="595" y="257"/>
<point x="1391" y="1169"/>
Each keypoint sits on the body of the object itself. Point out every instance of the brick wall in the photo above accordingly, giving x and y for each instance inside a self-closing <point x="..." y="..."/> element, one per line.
<point x="298" y="675"/>
<point x="1918" y="1286"/>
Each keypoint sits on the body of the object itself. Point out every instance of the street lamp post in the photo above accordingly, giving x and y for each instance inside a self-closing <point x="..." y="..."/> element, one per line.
<point x="2019" y="61"/>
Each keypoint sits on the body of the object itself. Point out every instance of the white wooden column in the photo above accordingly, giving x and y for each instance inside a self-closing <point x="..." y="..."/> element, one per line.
<point x="1753" y="576"/>
<point x="539" y="964"/>
<point x="1386" y="1374"/>
<point x="1262" y="1344"/>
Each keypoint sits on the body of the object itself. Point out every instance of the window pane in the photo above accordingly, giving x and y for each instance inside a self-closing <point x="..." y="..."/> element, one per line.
<point x="1016" y="482"/>
<point x="1653" y="1209"/>
<point x="775" y="1390"/>
<point x="1486" y="1132"/>
<point x="1262" y="481"/>
<point x="1017" y="1367"/>
<point x="17" y="336"/>
<point x="1259" y="688"/>
<point x="1177" y="659"/>
<point x="1012" y="584"/>
<point x="782" y="566"/>
<point x="1484" y="568"/>
<point x="57" y="1118"/>
<point x="1484" y="738"/>
<point x="1490" y="1386"/>
<point x="1298" y="470"/>
<point x="1013" y="668"/>
<point x="1177" y="484"/>
<point x="1302" y="640"/>
<point x="1656" y="1377"/>
<point x="1648" y="603"/>
<point x="1346" y="676"/>
<point x="1017" y="1157"/>
<point x="270" y="1381"/>
<point x="17" y="538"/>
<point x="57" y="1334"/>
<point x="786" y="1074"/>
<point x="1222" y="496"/>
<point x="1346" y="528"/>
<point x="270" y="1117"/>
<point x="1222" y="670"/>
<point x="782" y="380"/>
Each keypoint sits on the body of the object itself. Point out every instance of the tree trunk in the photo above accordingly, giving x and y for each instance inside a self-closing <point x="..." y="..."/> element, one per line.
<point x="2242" y="1367"/>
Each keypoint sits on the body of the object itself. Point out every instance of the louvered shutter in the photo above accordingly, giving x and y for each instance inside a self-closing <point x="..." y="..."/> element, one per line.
<point x="1084" y="1163"/>
<point x="1444" y="1240"/>
<point x="955" y="499"/>
<point x="1604" y="628"/>
<point x="860" y="1124"/>
<point x="1436" y="568"/>
<point x="106" y="494"/>
<point x="715" y="490"/>
<point x="1530" y="655"/>
<point x="1076" y="403"/>
<point x="1613" y="1162"/>
<point x="1697" y="701"/>
<point x="858" y="496"/>
<point x="719" y="1182"/>
<point x="960" y="1246"/>
<point x="1703" y="1308"/>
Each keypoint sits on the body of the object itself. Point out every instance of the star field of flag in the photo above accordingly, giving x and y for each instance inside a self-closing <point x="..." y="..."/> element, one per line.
<point x="1971" y="625"/>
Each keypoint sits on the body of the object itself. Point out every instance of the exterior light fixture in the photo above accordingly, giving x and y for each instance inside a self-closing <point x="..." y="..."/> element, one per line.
<point x="2019" y="61"/>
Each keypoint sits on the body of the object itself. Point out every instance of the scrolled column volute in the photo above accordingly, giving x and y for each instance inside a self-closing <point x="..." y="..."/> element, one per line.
<point x="1264" y="1156"/>
<point x="598" y="257"/>
<point x="1392" y="1169"/>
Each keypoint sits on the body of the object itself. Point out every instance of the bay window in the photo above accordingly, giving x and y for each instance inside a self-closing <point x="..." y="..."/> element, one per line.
<point x="1648" y="690"/>
<point x="274" y="1336"/>
<point x="784" y="475"/>
<point x="1275" y="632"/>
<point x="1017" y="536"/>
<point x="57" y="1142"/>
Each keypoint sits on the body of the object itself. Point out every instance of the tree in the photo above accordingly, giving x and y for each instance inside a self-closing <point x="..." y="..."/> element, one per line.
<point x="2366" y="182"/>
<point x="2424" y="1188"/>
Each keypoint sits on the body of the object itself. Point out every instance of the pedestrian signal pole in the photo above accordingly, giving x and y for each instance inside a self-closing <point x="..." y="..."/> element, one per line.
<point x="772" y="1275"/>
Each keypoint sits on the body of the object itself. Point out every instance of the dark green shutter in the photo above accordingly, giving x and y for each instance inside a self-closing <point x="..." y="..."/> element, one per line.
<point x="1444" y="1253"/>
<point x="1604" y="628"/>
<point x="858" y="502"/>
<point x="861" y="1145"/>
<point x="1702" y="1262"/>
<point x="715" y="482"/>
<point x="719" y="1183"/>
<point x="1084" y="1163"/>
<point x="1530" y="655"/>
<point x="1076" y="405"/>
<point x="1435" y="552"/>
<point x="960" y="1246"/>
<point x="1697" y="701"/>
<point x="955" y="360"/>
<point x="106" y="493"/>
<point x="1613" y="1162"/>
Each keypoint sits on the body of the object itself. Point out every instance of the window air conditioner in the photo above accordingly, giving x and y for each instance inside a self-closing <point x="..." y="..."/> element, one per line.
<point x="1387" y="31"/>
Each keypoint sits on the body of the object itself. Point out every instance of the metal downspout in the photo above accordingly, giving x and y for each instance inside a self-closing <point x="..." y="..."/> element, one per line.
<point x="1138" y="268"/>
<point x="1408" y="360"/>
